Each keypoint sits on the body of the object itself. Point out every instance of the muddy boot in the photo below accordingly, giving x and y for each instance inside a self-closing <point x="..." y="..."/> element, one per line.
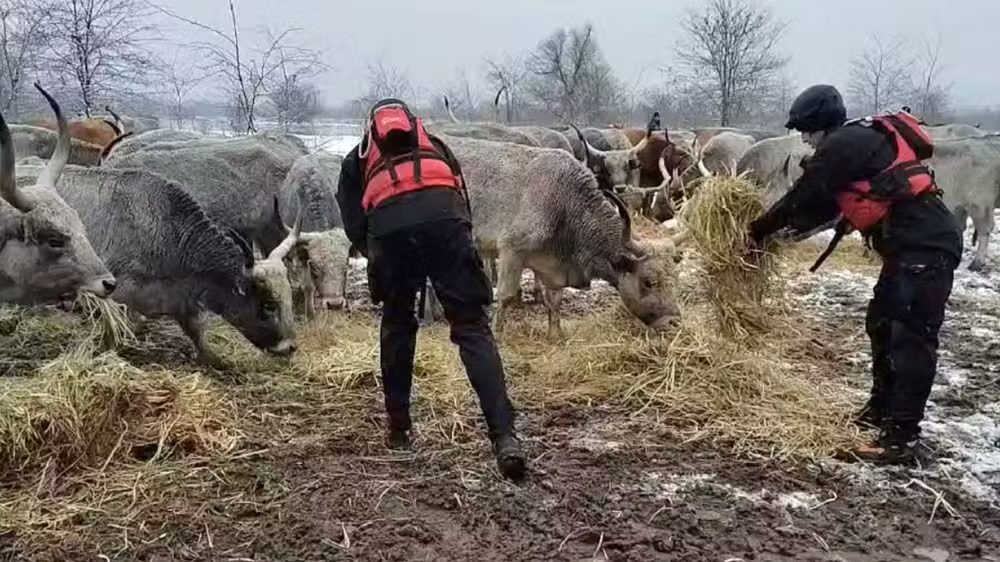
<point x="510" y="458"/>
<point x="398" y="436"/>
<point x="891" y="447"/>
<point x="397" y="439"/>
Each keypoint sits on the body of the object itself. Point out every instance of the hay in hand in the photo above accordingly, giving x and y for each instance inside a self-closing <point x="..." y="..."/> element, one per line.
<point x="739" y="280"/>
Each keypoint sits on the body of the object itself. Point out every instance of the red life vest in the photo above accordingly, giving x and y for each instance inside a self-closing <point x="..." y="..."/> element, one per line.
<point x="398" y="156"/>
<point x="865" y="203"/>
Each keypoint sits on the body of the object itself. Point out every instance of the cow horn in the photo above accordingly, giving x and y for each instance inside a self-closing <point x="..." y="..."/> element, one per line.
<point x="662" y="164"/>
<point x="626" y="218"/>
<point x="111" y="146"/>
<point x="243" y="245"/>
<point x="451" y="114"/>
<point x="50" y="175"/>
<point x="279" y="253"/>
<point x="8" y="185"/>
<point x="784" y="167"/>
<point x="112" y="125"/>
<point x="645" y="140"/>
<point x="119" y="124"/>
<point x="704" y="170"/>
<point x="496" y="104"/>
<point x="591" y="151"/>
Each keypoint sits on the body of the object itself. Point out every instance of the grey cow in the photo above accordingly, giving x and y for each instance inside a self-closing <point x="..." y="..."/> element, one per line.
<point x="235" y="180"/>
<point x="541" y="209"/>
<point x="172" y="260"/>
<point x="774" y="164"/>
<point x="239" y="183"/>
<point x="968" y="172"/>
<point x="321" y="258"/>
<point x="45" y="255"/>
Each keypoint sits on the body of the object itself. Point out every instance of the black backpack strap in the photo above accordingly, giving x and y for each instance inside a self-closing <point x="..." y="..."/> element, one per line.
<point x="838" y="234"/>
<point x="415" y="141"/>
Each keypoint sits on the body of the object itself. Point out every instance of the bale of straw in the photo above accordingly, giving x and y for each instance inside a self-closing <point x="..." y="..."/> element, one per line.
<point x="83" y="409"/>
<point x="738" y="281"/>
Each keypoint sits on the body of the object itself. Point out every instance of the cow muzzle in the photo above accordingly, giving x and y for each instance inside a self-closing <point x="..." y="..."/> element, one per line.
<point x="331" y="303"/>
<point x="283" y="348"/>
<point x="101" y="287"/>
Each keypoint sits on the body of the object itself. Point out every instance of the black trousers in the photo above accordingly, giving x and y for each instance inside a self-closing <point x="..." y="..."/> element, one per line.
<point x="903" y="322"/>
<point x="399" y="263"/>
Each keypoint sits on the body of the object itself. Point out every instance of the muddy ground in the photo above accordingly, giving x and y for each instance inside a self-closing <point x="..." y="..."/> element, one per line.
<point x="603" y="484"/>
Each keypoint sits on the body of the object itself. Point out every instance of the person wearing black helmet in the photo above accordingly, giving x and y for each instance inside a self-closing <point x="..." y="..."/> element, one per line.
<point x="405" y="207"/>
<point x="867" y="175"/>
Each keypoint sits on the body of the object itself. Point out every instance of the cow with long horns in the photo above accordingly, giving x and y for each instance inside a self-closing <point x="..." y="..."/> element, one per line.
<point x="45" y="255"/>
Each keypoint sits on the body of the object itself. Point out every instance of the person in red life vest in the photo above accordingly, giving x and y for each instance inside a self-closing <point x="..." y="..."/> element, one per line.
<point x="867" y="175"/>
<point x="405" y="207"/>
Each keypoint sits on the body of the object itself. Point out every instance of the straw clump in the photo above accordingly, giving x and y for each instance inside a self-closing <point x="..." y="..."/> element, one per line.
<point x="741" y="282"/>
<point x="83" y="410"/>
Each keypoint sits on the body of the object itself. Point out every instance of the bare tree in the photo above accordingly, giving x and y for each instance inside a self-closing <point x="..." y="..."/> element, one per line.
<point x="570" y="76"/>
<point x="730" y="53"/>
<point x="507" y="76"/>
<point x="295" y="100"/>
<point x="180" y="80"/>
<point x="931" y="92"/>
<point x="385" y="81"/>
<point x="247" y="74"/>
<point x="880" y="76"/>
<point x="22" y="33"/>
<point x="98" y="48"/>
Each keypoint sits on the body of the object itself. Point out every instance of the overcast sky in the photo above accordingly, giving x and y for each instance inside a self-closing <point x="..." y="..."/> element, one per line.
<point x="433" y="40"/>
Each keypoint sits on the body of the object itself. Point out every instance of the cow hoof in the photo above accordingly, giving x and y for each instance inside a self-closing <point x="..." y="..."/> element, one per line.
<point x="977" y="266"/>
<point x="557" y="336"/>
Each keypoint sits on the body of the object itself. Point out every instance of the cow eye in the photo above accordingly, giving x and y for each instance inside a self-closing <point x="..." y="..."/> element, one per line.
<point x="634" y="164"/>
<point x="270" y="307"/>
<point x="55" y="242"/>
<point x="649" y="284"/>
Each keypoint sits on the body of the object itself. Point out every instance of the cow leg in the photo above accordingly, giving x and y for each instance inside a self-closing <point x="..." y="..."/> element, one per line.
<point x="553" y="304"/>
<point x="194" y="328"/>
<point x="982" y="221"/>
<point x="509" y="270"/>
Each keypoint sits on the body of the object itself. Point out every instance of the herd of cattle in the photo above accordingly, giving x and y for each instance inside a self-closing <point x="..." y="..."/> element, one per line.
<point x="176" y="224"/>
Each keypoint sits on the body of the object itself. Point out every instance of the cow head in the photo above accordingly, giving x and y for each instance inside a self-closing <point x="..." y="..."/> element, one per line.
<point x="261" y="305"/>
<point x="326" y="258"/>
<point x="645" y="274"/>
<point x="614" y="169"/>
<point x="46" y="256"/>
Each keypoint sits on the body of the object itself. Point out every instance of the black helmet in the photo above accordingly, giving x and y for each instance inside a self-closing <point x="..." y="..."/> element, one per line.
<point x="818" y="108"/>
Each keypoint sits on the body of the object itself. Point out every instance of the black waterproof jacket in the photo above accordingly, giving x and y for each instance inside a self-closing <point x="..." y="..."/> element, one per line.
<point x="916" y="229"/>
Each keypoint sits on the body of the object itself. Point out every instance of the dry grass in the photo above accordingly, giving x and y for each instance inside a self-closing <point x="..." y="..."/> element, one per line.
<point x="740" y="282"/>
<point x="93" y="410"/>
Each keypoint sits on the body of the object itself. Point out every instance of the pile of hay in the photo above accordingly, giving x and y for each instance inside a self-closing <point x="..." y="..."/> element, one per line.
<point x="740" y="281"/>
<point x="85" y="410"/>
<point x="780" y="398"/>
